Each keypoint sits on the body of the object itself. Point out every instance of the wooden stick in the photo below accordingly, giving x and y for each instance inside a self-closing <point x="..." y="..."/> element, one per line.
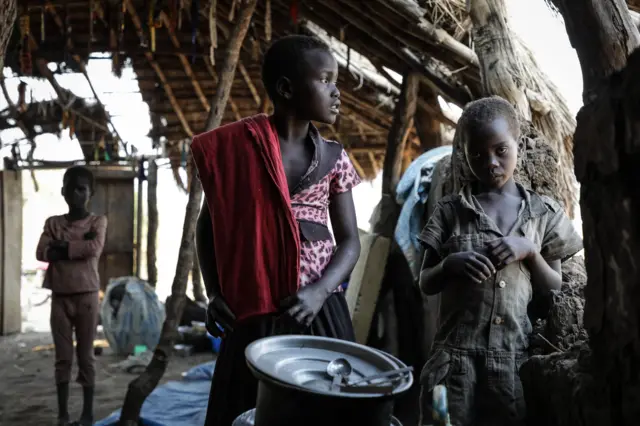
<point x="356" y="165"/>
<point x="142" y="386"/>
<point x="185" y="62"/>
<point x="152" y="222"/>
<point x="250" y="85"/>
<point x="163" y="80"/>
<point x="374" y="163"/>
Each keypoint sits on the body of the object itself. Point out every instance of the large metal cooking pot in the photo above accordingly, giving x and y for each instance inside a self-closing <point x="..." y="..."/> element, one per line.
<point x="294" y="388"/>
<point x="249" y="419"/>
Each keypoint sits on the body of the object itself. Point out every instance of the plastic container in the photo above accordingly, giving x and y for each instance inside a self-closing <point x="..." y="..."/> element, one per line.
<point x="215" y="343"/>
<point x="138" y="349"/>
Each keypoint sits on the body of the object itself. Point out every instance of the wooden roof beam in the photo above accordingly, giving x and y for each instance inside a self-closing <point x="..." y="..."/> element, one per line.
<point x="212" y="72"/>
<point x="437" y="36"/>
<point x="163" y="80"/>
<point x="250" y="85"/>
<point x="389" y="42"/>
<point x="185" y="62"/>
<point x="83" y="68"/>
<point x="242" y="68"/>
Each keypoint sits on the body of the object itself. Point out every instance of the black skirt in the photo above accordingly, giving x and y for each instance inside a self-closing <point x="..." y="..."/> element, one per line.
<point x="234" y="389"/>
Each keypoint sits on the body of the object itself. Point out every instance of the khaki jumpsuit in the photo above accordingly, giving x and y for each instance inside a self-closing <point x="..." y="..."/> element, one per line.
<point x="483" y="333"/>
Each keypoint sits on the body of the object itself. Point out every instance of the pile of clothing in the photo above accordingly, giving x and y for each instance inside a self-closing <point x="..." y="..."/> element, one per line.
<point x="412" y="193"/>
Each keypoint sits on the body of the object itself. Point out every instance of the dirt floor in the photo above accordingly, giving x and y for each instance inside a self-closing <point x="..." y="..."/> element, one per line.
<point x="27" y="390"/>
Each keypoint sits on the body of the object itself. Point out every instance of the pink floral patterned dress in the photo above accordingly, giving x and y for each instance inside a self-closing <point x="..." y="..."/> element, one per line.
<point x="310" y="206"/>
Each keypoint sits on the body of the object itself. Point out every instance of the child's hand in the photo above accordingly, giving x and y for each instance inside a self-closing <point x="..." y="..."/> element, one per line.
<point x="55" y="254"/>
<point x="474" y="266"/>
<point x="305" y="304"/>
<point x="507" y="250"/>
<point x="57" y="244"/>
<point x="219" y="313"/>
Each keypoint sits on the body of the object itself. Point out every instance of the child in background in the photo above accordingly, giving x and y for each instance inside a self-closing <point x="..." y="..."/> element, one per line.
<point x="266" y="254"/>
<point x="489" y="249"/>
<point x="72" y="244"/>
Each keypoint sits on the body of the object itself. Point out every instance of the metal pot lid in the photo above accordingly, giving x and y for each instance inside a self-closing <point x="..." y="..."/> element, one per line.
<point x="249" y="419"/>
<point x="301" y="361"/>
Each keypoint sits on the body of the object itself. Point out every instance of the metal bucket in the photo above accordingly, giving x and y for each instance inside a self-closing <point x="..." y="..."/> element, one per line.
<point x="294" y="388"/>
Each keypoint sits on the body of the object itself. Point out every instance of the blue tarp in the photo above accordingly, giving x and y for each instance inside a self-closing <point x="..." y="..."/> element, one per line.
<point x="182" y="403"/>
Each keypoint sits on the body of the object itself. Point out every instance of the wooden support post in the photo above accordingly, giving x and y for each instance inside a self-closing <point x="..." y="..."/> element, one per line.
<point x="142" y="386"/>
<point x="376" y="246"/>
<point x="152" y="222"/>
<point x="392" y="170"/>
<point x="10" y="251"/>
<point x="139" y="216"/>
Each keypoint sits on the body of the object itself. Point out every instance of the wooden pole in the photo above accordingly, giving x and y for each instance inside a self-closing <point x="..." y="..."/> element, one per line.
<point x="142" y="386"/>
<point x="139" y="216"/>
<point x="152" y="222"/>
<point x="392" y="169"/>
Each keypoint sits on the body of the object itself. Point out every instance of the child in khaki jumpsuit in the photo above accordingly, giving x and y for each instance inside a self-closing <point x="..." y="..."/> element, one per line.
<point x="489" y="249"/>
<point x="72" y="244"/>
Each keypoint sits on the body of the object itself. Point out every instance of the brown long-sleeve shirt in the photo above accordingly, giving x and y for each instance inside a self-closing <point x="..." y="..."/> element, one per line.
<point x="79" y="274"/>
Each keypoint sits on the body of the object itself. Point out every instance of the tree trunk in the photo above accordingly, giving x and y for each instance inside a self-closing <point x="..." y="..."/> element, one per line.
<point x="509" y="70"/>
<point x="152" y="222"/>
<point x="8" y="12"/>
<point x="141" y="387"/>
<point x="601" y="386"/>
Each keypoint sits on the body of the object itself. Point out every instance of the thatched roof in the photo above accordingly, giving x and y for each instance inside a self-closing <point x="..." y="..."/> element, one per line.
<point x="87" y="121"/>
<point x="177" y="79"/>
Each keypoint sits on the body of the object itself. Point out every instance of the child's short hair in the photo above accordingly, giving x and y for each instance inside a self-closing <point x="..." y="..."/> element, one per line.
<point x="284" y="58"/>
<point x="75" y="172"/>
<point x="482" y="111"/>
